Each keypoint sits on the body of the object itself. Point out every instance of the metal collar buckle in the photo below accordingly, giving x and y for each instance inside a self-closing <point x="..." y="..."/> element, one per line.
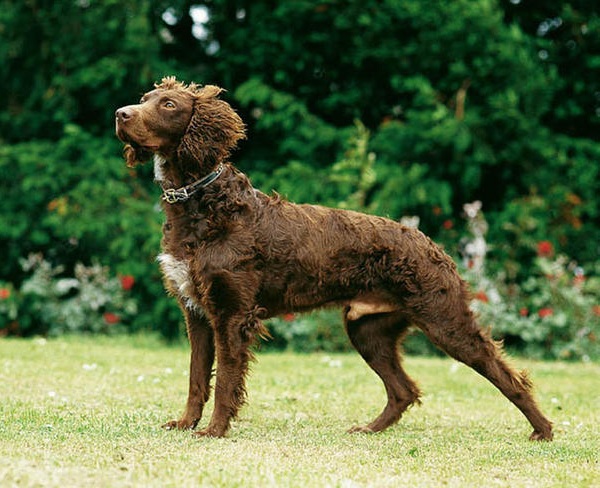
<point x="183" y="194"/>
<point x="173" y="195"/>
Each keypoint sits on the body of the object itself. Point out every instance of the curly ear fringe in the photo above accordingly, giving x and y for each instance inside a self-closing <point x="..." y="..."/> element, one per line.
<point x="213" y="131"/>
<point x="134" y="156"/>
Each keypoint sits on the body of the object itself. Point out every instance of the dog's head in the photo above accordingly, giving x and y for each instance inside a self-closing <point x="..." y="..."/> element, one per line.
<point x="184" y="122"/>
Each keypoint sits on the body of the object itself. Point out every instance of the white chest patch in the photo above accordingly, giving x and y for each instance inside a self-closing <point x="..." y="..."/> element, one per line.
<point x="159" y="168"/>
<point x="177" y="272"/>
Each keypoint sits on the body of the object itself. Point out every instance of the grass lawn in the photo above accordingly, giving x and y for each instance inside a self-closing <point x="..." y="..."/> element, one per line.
<point x="86" y="412"/>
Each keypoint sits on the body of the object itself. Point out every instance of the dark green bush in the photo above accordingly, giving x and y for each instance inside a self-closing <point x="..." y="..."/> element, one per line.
<point x="458" y="101"/>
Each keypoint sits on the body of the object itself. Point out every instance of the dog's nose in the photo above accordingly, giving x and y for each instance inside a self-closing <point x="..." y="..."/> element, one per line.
<point x="124" y="113"/>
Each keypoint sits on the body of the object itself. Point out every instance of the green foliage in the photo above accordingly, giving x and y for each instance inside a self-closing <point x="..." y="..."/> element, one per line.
<point x="67" y="62"/>
<point x="450" y="117"/>
<point x="457" y="101"/>
<point x="319" y="331"/>
<point x="291" y="127"/>
<point x="65" y="193"/>
<point x="74" y="201"/>
<point x="359" y="181"/>
<point x="567" y="36"/>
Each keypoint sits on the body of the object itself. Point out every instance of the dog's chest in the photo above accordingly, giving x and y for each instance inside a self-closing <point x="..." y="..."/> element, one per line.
<point x="182" y="236"/>
<point x="179" y="280"/>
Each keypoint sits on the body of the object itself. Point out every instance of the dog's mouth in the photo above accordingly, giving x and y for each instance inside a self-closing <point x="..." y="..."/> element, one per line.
<point x="135" y="144"/>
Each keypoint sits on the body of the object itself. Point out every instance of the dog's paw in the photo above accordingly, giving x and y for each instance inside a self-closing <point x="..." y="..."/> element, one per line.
<point x="183" y="424"/>
<point x="360" y="429"/>
<point x="209" y="432"/>
<point x="541" y="436"/>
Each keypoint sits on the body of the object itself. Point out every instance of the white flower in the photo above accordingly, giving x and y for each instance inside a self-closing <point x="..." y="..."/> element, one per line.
<point x="65" y="285"/>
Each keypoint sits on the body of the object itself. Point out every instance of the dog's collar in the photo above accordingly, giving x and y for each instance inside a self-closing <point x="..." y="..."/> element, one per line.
<point x="183" y="194"/>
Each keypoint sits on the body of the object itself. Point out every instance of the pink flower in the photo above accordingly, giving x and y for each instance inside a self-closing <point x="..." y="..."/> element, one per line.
<point x="127" y="282"/>
<point x="111" y="318"/>
<point x="545" y="312"/>
<point x="4" y="293"/>
<point x="545" y="249"/>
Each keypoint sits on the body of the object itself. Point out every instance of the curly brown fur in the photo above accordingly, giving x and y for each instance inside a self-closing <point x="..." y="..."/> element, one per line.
<point x="233" y="256"/>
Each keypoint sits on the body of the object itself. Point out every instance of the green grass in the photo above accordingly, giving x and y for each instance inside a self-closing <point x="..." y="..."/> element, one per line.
<point x="86" y="412"/>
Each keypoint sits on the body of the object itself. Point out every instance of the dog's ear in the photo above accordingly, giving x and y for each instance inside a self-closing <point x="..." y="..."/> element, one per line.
<point x="213" y="131"/>
<point x="134" y="156"/>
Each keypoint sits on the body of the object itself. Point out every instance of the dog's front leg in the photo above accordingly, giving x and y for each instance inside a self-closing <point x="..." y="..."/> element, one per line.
<point x="233" y="357"/>
<point x="202" y="344"/>
<point x="236" y="323"/>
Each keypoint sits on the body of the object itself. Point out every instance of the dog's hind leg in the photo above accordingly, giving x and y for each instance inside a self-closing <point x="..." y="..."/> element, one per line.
<point x="202" y="345"/>
<point x="457" y="333"/>
<point x="377" y="337"/>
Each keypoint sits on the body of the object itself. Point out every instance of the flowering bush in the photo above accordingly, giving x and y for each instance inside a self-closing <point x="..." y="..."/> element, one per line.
<point x="48" y="302"/>
<point x="548" y="316"/>
<point x="552" y="313"/>
<point x="8" y="309"/>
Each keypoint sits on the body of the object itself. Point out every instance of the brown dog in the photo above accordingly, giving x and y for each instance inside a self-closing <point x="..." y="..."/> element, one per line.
<point x="233" y="256"/>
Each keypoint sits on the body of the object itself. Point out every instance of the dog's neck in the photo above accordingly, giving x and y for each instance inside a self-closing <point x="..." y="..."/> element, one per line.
<point x="207" y="214"/>
<point x="174" y="173"/>
<point x="179" y="185"/>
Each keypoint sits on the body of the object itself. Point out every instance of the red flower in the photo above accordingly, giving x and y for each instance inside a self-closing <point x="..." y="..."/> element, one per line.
<point x="482" y="297"/>
<point x="545" y="249"/>
<point x="111" y="318"/>
<point x="127" y="282"/>
<point x="448" y="224"/>
<point x="596" y="310"/>
<point x="524" y="312"/>
<point x="545" y="312"/>
<point x="288" y="317"/>
<point x="4" y="293"/>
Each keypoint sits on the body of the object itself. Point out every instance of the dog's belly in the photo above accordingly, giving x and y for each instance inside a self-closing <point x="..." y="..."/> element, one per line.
<point x="280" y="300"/>
<point x="179" y="282"/>
<point x="368" y="305"/>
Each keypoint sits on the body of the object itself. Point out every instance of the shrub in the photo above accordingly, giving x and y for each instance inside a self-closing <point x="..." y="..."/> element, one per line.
<point x="318" y="331"/>
<point x="552" y="312"/>
<point x="50" y="302"/>
<point x="549" y="316"/>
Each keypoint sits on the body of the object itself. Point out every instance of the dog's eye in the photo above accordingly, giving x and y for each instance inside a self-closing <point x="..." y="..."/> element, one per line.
<point x="169" y="104"/>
